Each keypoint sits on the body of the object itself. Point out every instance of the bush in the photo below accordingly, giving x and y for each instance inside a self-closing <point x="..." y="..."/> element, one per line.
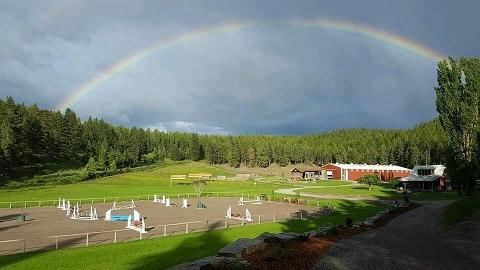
<point x="396" y="183"/>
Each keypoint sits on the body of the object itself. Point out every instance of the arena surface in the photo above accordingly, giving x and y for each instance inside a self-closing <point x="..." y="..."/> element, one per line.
<point x="43" y="223"/>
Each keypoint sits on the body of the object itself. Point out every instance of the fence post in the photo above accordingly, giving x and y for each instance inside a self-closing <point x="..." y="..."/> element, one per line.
<point x="56" y="242"/>
<point x="104" y="200"/>
<point x="186" y="227"/>
<point x="10" y="205"/>
<point x="164" y="230"/>
<point x="178" y="196"/>
<point x="24" y="245"/>
<point x="25" y="204"/>
<point x="86" y="243"/>
<point x="273" y="217"/>
<point x="39" y="203"/>
<point x="243" y="223"/>
<point x="217" y="197"/>
<point x="140" y="236"/>
<point x="225" y="223"/>
<point x="317" y="204"/>
<point x="92" y="201"/>
<point x="115" y="237"/>
<point x="301" y="215"/>
<point x="259" y="220"/>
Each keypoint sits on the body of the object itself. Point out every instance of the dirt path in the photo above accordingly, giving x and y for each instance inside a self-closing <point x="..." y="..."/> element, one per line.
<point x="414" y="240"/>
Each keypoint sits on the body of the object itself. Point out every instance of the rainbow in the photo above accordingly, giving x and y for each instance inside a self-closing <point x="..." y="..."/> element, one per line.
<point x="138" y="56"/>
<point x="368" y="32"/>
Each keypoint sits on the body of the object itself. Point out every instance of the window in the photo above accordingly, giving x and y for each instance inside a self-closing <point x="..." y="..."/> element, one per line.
<point x="424" y="171"/>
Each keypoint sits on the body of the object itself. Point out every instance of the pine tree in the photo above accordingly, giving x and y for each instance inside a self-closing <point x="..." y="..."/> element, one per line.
<point x="235" y="154"/>
<point x="194" y="149"/>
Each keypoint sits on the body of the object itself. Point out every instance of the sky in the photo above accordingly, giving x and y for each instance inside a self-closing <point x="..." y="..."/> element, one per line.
<point x="234" y="67"/>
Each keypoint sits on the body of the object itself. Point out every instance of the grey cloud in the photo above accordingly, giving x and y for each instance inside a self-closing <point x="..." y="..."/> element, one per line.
<point x="273" y="78"/>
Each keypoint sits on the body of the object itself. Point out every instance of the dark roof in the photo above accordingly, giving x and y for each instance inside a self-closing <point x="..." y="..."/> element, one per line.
<point x="306" y="169"/>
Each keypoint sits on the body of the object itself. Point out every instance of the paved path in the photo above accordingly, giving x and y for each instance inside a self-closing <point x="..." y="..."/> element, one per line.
<point x="414" y="240"/>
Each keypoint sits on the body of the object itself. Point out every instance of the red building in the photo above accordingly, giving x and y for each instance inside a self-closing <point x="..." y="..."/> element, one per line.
<point x="355" y="171"/>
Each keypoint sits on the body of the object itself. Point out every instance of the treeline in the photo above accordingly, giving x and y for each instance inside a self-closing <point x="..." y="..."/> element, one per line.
<point x="30" y="135"/>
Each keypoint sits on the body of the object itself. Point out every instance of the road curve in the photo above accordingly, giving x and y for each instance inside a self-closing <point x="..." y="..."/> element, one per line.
<point x="414" y="240"/>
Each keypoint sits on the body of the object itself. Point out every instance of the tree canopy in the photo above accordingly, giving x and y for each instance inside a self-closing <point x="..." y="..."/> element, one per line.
<point x="458" y="96"/>
<point x="30" y="135"/>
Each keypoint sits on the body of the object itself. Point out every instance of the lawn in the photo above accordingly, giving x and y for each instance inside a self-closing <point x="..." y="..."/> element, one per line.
<point x="323" y="183"/>
<point x="153" y="181"/>
<point x="379" y="191"/>
<point x="161" y="253"/>
<point x="356" y="190"/>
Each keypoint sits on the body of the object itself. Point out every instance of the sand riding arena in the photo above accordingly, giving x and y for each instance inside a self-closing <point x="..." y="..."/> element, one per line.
<point x="47" y="228"/>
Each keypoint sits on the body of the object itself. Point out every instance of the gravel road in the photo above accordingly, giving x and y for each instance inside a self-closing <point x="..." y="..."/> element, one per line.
<point x="414" y="240"/>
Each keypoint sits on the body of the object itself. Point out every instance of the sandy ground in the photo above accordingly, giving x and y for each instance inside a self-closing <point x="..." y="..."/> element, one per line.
<point x="48" y="221"/>
<point x="414" y="240"/>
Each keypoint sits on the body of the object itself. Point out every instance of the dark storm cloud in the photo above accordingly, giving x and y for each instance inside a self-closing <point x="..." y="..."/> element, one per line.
<point x="273" y="78"/>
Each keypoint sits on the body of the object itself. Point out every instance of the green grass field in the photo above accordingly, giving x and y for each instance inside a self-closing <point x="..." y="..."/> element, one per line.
<point x="380" y="192"/>
<point x="153" y="181"/>
<point x="161" y="253"/>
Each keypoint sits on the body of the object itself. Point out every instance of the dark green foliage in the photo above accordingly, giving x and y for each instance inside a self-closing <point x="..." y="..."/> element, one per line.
<point x="30" y="136"/>
<point x="369" y="179"/>
<point x="194" y="148"/>
<point x="458" y="101"/>
<point x="235" y="154"/>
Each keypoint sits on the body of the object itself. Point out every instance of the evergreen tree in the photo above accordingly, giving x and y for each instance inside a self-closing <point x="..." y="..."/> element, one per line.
<point x="235" y="154"/>
<point x="194" y="148"/>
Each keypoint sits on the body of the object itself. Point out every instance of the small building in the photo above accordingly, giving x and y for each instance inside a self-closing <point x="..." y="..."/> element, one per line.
<point x="427" y="177"/>
<point x="305" y="172"/>
<point x="341" y="171"/>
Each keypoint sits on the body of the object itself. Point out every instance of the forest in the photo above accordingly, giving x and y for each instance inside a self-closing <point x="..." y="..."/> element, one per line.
<point x="30" y="136"/>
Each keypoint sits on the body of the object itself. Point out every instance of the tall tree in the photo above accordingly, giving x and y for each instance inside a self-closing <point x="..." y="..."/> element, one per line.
<point x="194" y="148"/>
<point x="458" y="107"/>
<point x="235" y="154"/>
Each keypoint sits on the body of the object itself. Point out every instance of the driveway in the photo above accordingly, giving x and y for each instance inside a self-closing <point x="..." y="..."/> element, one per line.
<point x="414" y="240"/>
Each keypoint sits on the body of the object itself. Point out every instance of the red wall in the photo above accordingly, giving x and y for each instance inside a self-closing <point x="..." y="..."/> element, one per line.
<point x="356" y="174"/>
<point x="336" y="171"/>
<point x="384" y="176"/>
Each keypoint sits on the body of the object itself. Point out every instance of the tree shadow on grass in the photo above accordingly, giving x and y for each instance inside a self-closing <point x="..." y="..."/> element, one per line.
<point x="191" y="247"/>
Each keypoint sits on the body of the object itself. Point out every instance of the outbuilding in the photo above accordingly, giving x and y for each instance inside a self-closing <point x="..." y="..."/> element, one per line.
<point x="352" y="171"/>
<point x="305" y="172"/>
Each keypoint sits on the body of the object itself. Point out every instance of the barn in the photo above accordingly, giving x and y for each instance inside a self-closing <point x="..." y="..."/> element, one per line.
<point x="355" y="171"/>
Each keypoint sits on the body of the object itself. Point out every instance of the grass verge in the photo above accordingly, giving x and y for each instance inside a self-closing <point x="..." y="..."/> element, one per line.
<point x="461" y="209"/>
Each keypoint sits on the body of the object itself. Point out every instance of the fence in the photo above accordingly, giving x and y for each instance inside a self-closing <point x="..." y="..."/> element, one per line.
<point x="41" y="203"/>
<point x="124" y="235"/>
